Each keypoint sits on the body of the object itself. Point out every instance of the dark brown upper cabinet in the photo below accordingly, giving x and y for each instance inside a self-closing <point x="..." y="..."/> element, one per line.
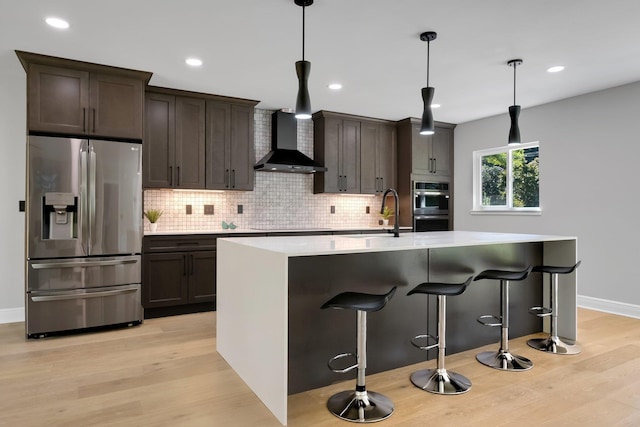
<point x="198" y="141"/>
<point x="174" y="143"/>
<point x="67" y="97"/>
<point x="230" y="153"/>
<point x="378" y="157"/>
<point x="336" y="146"/>
<point x="430" y="155"/>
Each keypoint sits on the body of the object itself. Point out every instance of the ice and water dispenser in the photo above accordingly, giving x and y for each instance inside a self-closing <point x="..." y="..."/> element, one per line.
<point x="60" y="216"/>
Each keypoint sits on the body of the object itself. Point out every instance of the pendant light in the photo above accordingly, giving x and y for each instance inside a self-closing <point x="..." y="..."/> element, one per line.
<point x="514" y="110"/>
<point x="427" y="127"/>
<point x="303" y="68"/>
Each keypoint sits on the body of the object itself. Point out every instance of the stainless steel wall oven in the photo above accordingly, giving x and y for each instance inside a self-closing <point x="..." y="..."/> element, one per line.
<point x="431" y="206"/>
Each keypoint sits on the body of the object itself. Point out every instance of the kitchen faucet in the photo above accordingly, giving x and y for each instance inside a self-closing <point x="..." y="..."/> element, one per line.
<point x="396" y="229"/>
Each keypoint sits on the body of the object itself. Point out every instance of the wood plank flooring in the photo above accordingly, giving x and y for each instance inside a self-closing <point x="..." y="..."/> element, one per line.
<point x="167" y="372"/>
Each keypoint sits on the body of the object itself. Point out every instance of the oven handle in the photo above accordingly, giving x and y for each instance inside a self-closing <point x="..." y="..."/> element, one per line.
<point x="430" y="193"/>
<point x="71" y="296"/>
<point x="431" y="217"/>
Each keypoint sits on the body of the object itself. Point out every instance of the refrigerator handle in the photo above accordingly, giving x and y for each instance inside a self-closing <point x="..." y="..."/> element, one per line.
<point x="84" y="214"/>
<point x="92" y="197"/>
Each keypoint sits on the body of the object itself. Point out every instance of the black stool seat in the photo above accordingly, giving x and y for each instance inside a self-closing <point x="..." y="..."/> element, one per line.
<point x="555" y="270"/>
<point x="504" y="274"/>
<point x="359" y="301"/>
<point x="436" y="288"/>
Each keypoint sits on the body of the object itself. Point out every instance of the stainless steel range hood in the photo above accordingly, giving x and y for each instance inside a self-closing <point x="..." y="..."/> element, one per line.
<point x="284" y="155"/>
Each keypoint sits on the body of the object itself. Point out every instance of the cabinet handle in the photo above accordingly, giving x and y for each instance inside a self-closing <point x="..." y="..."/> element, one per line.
<point x="381" y="184"/>
<point x="184" y="265"/>
<point x="94" y="120"/>
<point x="227" y="178"/>
<point x="233" y="178"/>
<point x="177" y="176"/>
<point x="170" y="175"/>
<point x="84" y="119"/>
<point x="191" y="264"/>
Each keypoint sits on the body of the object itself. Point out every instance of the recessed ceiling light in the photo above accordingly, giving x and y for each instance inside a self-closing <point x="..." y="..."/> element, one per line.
<point x="435" y="105"/>
<point x="335" y="86"/>
<point x="57" y="23"/>
<point x="555" y="69"/>
<point x="194" y="62"/>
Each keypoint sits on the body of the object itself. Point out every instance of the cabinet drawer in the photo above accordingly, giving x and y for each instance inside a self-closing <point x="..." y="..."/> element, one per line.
<point x="178" y="243"/>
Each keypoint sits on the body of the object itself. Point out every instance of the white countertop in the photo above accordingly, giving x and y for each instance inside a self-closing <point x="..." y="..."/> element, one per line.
<point x="359" y="243"/>
<point x="270" y="230"/>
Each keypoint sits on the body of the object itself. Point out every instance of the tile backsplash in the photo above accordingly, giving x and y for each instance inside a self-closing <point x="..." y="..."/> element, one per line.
<point x="279" y="200"/>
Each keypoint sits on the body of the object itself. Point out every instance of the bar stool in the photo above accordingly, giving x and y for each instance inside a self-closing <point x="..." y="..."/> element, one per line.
<point x="503" y="359"/>
<point x="439" y="380"/>
<point x="553" y="343"/>
<point x="360" y="405"/>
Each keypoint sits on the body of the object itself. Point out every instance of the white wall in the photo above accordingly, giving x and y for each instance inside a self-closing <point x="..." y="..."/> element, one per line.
<point x="12" y="176"/>
<point x="589" y="186"/>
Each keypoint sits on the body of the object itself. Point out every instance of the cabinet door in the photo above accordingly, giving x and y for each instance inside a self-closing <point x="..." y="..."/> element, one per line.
<point x="387" y="157"/>
<point x="441" y="148"/>
<point x="190" y="145"/>
<point x="116" y="106"/>
<point x="241" y="148"/>
<point x="159" y="141"/>
<point x="164" y="279"/>
<point x="369" y="170"/>
<point x="202" y="281"/>
<point x="58" y="100"/>
<point x="350" y="156"/>
<point x="420" y="151"/>
<point x="332" y="156"/>
<point x="218" y="133"/>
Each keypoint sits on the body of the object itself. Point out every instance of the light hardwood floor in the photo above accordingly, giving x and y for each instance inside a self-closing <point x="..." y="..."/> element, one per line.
<point x="167" y="372"/>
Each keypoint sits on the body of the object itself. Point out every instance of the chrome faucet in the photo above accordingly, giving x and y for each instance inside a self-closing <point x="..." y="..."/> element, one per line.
<point x="396" y="229"/>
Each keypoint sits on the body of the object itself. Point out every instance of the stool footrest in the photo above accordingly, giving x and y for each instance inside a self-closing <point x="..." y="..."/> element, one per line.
<point x="540" y="311"/>
<point x="428" y="337"/>
<point x="490" y="320"/>
<point x="341" y="370"/>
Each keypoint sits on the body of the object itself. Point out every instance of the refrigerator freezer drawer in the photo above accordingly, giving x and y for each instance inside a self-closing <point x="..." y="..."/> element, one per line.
<point x="68" y="310"/>
<point x="82" y="273"/>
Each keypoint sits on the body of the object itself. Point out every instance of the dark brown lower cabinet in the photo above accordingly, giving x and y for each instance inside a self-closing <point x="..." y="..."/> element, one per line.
<point x="177" y="277"/>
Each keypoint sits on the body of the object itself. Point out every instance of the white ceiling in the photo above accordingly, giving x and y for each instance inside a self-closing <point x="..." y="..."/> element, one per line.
<point x="372" y="47"/>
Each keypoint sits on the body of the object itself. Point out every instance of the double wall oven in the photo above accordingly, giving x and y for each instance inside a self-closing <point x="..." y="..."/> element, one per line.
<point x="430" y="206"/>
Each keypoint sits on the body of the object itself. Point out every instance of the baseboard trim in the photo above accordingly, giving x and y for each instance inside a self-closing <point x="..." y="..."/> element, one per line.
<point x="607" y="306"/>
<point x="11" y="315"/>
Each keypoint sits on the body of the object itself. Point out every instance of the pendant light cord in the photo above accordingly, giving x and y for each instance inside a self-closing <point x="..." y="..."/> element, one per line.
<point x="428" y="44"/>
<point x="514" y="83"/>
<point x="303" y="8"/>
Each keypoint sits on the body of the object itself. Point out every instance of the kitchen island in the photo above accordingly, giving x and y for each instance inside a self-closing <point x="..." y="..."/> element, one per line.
<point x="271" y="331"/>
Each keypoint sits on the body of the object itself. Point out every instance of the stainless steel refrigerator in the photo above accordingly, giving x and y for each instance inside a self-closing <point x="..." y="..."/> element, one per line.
<point x="84" y="234"/>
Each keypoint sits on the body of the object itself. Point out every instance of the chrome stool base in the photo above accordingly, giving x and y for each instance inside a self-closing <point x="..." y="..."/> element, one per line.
<point x="440" y="382"/>
<point x="360" y="406"/>
<point x="504" y="361"/>
<point x="554" y="345"/>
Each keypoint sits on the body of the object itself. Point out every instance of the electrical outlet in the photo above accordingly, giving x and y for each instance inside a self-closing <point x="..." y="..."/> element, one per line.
<point x="239" y="209"/>
<point x="333" y="209"/>
<point x="208" y="209"/>
<point x="368" y="209"/>
<point x="189" y="210"/>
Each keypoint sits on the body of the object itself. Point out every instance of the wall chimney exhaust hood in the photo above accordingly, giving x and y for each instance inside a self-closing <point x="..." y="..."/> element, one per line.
<point x="284" y="155"/>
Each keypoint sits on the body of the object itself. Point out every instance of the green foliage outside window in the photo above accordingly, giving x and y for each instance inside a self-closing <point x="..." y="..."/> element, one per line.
<point x="524" y="175"/>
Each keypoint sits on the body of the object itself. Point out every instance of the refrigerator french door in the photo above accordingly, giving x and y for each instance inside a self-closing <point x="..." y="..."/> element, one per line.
<point x="84" y="234"/>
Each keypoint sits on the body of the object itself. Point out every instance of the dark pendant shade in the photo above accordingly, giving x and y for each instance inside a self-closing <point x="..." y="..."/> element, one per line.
<point x="514" y="130"/>
<point x="427" y="127"/>
<point x="303" y="101"/>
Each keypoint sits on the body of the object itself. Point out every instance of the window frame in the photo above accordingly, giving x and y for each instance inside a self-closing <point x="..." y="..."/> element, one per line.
<point x="478" y="208"/>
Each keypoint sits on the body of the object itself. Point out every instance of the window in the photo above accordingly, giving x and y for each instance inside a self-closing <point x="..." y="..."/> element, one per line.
<point x="507" y="179"/>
